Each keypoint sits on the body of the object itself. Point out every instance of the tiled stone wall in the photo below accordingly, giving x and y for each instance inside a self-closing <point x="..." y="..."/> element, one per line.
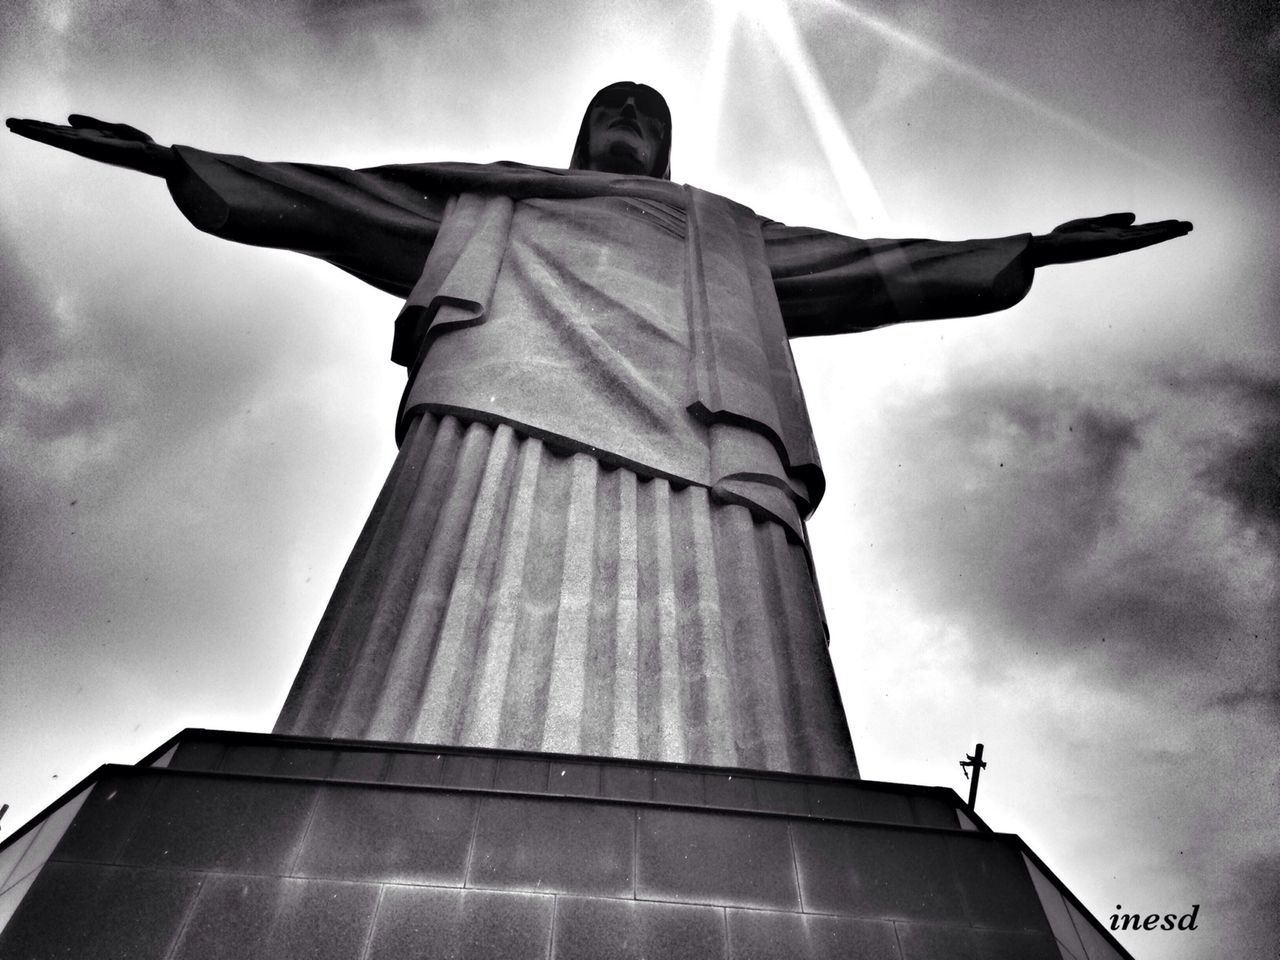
<point x="263" y="846"/>
<point x="185" y="865"/>
<point x="682" y="784"/>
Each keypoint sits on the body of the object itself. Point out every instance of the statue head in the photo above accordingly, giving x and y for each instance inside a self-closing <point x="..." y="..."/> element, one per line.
<point x="626" y="129"/>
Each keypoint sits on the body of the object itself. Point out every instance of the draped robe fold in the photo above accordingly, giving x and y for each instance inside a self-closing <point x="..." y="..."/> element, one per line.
<point x="592" y="540"/>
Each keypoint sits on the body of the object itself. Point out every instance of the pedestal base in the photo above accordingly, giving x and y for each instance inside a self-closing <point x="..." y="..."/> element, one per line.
<point x="267" y="846"/>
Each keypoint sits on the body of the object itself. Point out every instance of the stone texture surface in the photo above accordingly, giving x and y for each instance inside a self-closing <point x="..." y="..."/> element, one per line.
<point x="994" y="885"/>
<point x="554" y="846"/>
<point x="652" y="620"/>
<point x="360" y="765"/>
<point x="394" y="835"/>
<point x="929" y="941"/>
<point x="197" y="754"/>
<point x="694" y="857"/>
<point x="227" y="825"/>
<point x="838" y="801"/>
<point x="78" y="910"/>
<point x="424" y="923"/>
<point x="506" y="862"/>
<point x="603" y="777"/>
<point x="276" y="918"/>
<point x="587" y="929"/>
<point x="769" y="935"/>
<point x="110" y="815"/>
<point x="876" y="872"/>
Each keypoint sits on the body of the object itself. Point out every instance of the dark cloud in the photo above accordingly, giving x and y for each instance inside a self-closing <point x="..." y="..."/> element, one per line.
<point x="338" y="17"/>
<point x="1255" y="907"/>
<point x="1244" y="463"/>
<point x="1049" y="520"/>
<point x="1254" y="695"/>
<point x="1251" y="475"/>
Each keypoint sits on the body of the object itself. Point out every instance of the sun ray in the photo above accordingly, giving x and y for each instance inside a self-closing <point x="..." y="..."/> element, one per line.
<point x="715" y="78"/>
<point x="852" y="177"/>
<point x="984" y="80"/>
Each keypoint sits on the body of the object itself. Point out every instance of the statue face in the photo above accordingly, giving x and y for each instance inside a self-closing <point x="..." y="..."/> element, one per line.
<point x="625" y="131"/>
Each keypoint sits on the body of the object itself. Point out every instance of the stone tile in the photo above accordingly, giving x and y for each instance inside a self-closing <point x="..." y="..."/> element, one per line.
<point x="162" y="760"/>
<point x="620" y="782"/>
<point x="715" y="858"/>
<point x="587" y="929"/>
<point x="994" y="884"/>
<point x="425" y="769"/>
<point x="463" y="771"/>
<point x="1055" y="908"/>
<point x="575" y="779"/>
<point x="933" y="941"/>
<point x="11" y="855"/>
<point x="275" y="918"/>
<point x="522" y="774"/>
<point x="91" y="910"/>
<point x="426" y="923"/>
<point x="876" y="872"/>
<point x="391" y="834"/>
<point x="780" y="796"/>
<point x="13" y="894"/>
<point x="767" y="935"/>
<point x="365" y="765"/>
<point x="554" y="846"/>
<point x="726" y="790"/>
<point x="46" y="836"/>
<point x="934" y="812"/>
<point x="197" y="755"/>
<point x="304" y="762"/>
<point x="249" y="758"/>
<point x="242" y="826"/>
<point x="108" y="818"/>
<point x="678" y="786"/>
<point x="841" y="802"/>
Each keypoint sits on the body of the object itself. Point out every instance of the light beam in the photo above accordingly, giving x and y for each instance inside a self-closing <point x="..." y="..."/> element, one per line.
<point x="852" y="178"/>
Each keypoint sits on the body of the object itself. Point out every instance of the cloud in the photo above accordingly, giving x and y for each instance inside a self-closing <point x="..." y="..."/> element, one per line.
<point x="1245" y="465"/>
<point x="1255" y="895"/>
<point x="1252" y="696"/>
<point x="1116" y="524"/>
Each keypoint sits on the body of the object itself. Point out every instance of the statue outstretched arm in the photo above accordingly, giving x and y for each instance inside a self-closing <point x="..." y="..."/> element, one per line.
<point x="364" y="222"/>
<point x="1093" y="237"/>
<point x="373" y="226"/>
<point x="115" y="143"/>
<point x="828" y="283"/>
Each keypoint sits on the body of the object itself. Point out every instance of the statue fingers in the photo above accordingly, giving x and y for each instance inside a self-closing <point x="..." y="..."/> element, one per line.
<point x="40" y="130"/>
<point x="123" y="131"/>
<point x="1095" y="223"/>
<point x="1114" y="220"/>
<point x="1177" y="227"/>
<point x="1137" y="239"/>
<point x="1165" y="229"/>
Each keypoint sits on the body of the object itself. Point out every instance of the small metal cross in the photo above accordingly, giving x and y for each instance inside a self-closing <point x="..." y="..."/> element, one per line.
<point x="973" y="760"/>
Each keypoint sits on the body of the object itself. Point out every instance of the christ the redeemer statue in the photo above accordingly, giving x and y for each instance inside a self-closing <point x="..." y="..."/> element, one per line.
<point x="592" y="540"/>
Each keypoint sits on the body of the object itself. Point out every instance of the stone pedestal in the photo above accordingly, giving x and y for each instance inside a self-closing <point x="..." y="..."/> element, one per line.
<point x="256" y="846"/>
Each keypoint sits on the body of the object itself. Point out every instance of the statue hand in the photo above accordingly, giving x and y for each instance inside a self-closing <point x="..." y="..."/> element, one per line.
<point x="115" y="143"/>
<point x="1093" y="237"/>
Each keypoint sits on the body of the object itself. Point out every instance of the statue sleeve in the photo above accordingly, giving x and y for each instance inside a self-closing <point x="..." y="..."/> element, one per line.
<point x="376" y="226"/>
<point x="827" y="283"/>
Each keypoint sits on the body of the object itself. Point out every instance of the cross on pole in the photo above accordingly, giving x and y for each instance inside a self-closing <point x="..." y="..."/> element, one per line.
<point x="973" y="760"/>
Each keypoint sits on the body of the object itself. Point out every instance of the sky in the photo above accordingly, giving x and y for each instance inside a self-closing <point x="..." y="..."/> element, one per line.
<point x="1055" y="530"/>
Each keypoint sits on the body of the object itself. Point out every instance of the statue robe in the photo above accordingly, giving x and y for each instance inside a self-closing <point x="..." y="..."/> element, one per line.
<point x="592" y="540"/>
